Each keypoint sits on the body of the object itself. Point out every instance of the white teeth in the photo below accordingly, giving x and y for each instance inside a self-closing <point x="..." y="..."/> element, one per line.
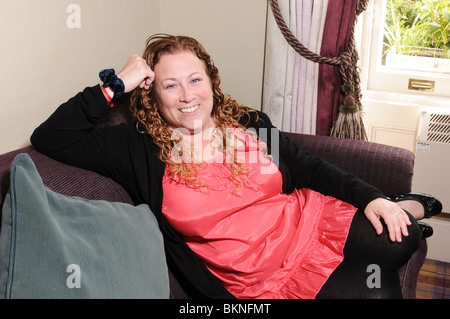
<point x="189" y="110"/>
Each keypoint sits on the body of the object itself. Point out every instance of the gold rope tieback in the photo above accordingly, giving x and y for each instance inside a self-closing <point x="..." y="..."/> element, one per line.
<point x="349" y="123"/>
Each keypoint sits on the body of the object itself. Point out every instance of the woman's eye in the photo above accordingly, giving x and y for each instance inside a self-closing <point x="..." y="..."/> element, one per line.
<point x="195" y="81"/>
<point x="170" y="86"/>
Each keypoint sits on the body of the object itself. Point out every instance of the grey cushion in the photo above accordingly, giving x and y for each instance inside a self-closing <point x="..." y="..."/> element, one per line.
<point x="57" y="246"/>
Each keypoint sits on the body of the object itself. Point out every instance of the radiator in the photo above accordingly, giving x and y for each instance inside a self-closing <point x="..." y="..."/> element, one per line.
<point x="432" y="164"/>
<point x="432" y="174"/>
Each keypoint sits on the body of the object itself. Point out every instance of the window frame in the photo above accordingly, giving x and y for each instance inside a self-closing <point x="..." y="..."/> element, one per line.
<point x="379" y="83"/>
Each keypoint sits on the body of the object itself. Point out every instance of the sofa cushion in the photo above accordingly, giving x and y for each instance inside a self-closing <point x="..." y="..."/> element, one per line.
<point x="57" y="246"/>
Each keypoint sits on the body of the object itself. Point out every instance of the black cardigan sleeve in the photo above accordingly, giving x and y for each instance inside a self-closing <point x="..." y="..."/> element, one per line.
<point x="65" y="128"/>
<point x="70" y="135"/>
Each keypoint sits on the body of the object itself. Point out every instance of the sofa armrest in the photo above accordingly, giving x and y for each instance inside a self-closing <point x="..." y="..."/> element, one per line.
<point x="64" y="179"/>
<point x="386" y="167"/>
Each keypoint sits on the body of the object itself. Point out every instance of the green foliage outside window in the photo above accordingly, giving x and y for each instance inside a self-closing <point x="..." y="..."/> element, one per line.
<point x="418" y="28"/>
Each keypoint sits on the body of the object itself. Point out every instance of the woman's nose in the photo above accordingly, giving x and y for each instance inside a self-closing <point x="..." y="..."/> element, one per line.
<point x="186" y="94"/>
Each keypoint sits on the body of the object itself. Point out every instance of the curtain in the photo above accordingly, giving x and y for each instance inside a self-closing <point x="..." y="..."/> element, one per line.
<point x="290" y="85"/>
<point x="310" y="24"/>
<point x="309" y="57"/>
<point x="338" y="30"/>
<point x="279" y="69"/>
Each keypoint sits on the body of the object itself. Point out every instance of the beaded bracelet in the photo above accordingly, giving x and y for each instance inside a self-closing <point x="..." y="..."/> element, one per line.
<point x="110" y="79"/>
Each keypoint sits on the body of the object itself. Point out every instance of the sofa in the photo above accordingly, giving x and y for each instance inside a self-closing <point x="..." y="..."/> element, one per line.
<point x="386" y="167"/>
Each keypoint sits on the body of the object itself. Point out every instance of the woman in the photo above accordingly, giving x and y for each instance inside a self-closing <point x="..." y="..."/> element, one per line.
<point x="231" y="217"/>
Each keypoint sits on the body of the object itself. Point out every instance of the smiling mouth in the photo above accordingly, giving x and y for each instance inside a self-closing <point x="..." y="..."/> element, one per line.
<point x="190" y="109"/>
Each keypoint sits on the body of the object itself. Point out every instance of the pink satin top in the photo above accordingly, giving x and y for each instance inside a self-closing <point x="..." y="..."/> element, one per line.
<point x="261" y="243"/>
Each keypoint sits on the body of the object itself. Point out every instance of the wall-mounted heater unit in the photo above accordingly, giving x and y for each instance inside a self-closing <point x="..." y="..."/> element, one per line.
<point x="432" y="175"/>
<point x="432" y="164"/>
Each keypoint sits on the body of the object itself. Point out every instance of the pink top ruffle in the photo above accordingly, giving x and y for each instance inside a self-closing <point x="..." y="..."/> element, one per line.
<point x="261" y="243"/>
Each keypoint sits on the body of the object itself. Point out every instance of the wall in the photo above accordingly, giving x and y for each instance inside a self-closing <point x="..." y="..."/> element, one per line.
<point x="49" y="54"/>
<point x="52" y="50"/>
<point x="392" y="123"/>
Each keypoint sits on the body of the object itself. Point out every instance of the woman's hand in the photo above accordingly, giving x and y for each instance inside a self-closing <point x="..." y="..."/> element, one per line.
<point x="136" y="73"/>
<point x="394" y="216"/>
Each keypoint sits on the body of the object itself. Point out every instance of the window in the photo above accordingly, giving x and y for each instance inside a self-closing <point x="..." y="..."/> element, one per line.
<point x="407" y="47"/>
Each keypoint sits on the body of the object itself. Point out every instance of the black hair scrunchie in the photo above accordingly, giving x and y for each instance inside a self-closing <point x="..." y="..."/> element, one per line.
<point x="110" y="79"/>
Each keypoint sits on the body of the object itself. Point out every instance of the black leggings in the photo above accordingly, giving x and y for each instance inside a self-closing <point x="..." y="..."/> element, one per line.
<point x="371" y="261"/>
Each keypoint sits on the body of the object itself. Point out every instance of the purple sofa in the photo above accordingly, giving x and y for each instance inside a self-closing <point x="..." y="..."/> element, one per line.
<point x="388" y="168"/>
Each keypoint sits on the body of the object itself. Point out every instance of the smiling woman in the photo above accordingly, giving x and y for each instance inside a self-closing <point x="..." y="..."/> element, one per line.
<point x="185" y="96"/>
<point x="297" y="228"/>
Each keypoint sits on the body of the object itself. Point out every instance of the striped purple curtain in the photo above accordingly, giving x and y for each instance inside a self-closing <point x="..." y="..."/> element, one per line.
<point x="310" y="56"/>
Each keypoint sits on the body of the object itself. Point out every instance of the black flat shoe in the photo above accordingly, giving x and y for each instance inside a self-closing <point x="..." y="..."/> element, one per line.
<point x="431" y="204"/>
<point x="426" y="229"/>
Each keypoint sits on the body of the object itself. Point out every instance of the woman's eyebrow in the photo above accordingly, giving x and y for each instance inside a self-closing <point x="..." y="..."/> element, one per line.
<point x="175" y="79"/>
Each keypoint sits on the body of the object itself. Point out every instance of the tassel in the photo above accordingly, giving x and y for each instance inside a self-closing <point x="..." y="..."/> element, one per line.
<point x="349" y="123"/>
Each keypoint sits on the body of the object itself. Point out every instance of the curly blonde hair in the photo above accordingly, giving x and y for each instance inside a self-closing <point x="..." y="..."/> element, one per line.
<point x="226" y="113"/>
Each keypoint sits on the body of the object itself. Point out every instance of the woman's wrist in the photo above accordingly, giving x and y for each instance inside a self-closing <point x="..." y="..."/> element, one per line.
<point x="110" y="92"/>
<point x="109" y="95"/>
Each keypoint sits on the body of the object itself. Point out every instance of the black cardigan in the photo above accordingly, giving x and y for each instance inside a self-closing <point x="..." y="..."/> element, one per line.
<point x="71" y="135"/>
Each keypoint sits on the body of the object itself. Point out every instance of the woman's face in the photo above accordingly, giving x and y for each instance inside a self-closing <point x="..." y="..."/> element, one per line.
<point x="184" y="94"/>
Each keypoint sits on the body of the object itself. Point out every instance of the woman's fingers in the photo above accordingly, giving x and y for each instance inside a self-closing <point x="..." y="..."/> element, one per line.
<point x="394" y="217"/>
<point x="136" y="72"/>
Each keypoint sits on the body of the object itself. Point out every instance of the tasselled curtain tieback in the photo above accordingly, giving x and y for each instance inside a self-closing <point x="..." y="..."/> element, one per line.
<point x="349" y="123"/>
